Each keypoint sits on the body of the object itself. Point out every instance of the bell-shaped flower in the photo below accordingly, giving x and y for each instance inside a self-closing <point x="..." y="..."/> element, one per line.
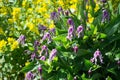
<point x="79" y="31"/>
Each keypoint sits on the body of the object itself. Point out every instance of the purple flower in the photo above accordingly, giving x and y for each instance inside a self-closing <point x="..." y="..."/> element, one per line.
<point x="92" y="60"/>
<point x="52" y="30"/>
<point x="75" y="78"/>
<point x="104" y="1"/>
<point x="44" y="48"/>
<point x="70" y="33"/>
<point x="66" y="12"/>
<point x="40" y="70"/>
<point x="79" y="31"/>
<point x="21" y="39"/>
<point x="36" y="44"/>
<point x="70" y="22"/>
<point x="54" y="16"/>
<point x="33" y="55"/>
<point x="60" y="10"/>
<point x="42" y="58"/>
<point x="118" y="62"/>
<point x="29" y="76"/>
<point x="75" y="48"/>
<point x="52" y="54"/>
<point x="42" y="27"/>
<point x="105" y="15"/>
<point x="47" y="36"/>
<point x="97" y="55"/>
<point x="89" y="71"/>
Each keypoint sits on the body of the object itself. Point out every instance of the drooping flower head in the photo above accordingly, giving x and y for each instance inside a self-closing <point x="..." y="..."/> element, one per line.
<point x="47" y="36"/>
<point x="52" y="30"/>
<point x="105" y="15"/>
<point x="104" y="1"/>
<point x="33" y="56"/>
<point x="60" y="10"/>
<point x="36" y="44"/>
<point x="70" y="33"/>
<point x="29" y="76"/>
<point x="75" y="48"/>
<point x="70" y="22"/>
<point x="54" y="16"/>
<point x="52" y="54"/>
<point x="79" y="31"/>
<point x="118" y="62"/>
<point x="42" y="58"/>
<point x="21" y="39"/>
<point x="44" y="48"/>
<point x="66" y="12"/>
<point x="40" y="70"/>
<point x="97" y="55"/>
<point x="42" y="27"/>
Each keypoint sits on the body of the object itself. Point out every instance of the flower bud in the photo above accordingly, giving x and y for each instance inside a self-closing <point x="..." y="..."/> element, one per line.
<point x="70" y="22"/>
<point x="29" y="76"/>
<point x="105" y="15"/>
<point x="40" y="70"/>
<point x="66" y="12"/>
<point x="52" y="54"/>
<point x="42" y="27"/>
<point x="75" y="48"/>
<point x="33" y="55"/>
<point x="104" y="1"/>
<point x="42" y="58"/>
<point x="70" y="33"/>
<point x="118" y="62"/>
<point x="79" y="31"/>
<point x="21" y="39"/>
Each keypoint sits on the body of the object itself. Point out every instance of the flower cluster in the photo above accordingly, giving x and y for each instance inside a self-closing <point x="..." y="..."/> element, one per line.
<point x="71" y="30"/>
<point x="97" y="55"/>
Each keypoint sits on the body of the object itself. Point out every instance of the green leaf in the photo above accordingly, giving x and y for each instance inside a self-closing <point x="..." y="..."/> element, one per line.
<point x="95" y="67"/>
<point x="112" y="27"/>
<point x="83" y="52"/>
<point x="112" y="70"/>
<point x="28" y="67"/>
<point x="95" y="30"/>
<point x="87" y="64"/>
<point x="117" y="56"/>
<point x="69" y="77"/>
<point x="102" y="35"/>
<point x="108" y="78"/>
<point x="109" y="40"/>
<point x="119" y="8"/>
<point x="59" y="32"/>
<point x="60" y="38"/>
<point x="96" y="76"/>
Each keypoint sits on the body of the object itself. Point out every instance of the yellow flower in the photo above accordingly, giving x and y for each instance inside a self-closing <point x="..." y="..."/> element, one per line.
<point x="11" y="40"/>
<point x="46" y="15"/>
<point x="16" y="13"/>
<point x="96" y="7"/>
<point x="38" y="20"/>
<point x="88" y="7"/>
<point x="73" y="6"/>
<point x="51" y="25"/>
<point x="24" y="3"/>
<point x="10" y="21"/>
<point x="27" y="63"/>
<point x="90" y="18"/>
<point x="32" y="27"/>
<point x="14" y="45"/>
<point x="2" y="45"/>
